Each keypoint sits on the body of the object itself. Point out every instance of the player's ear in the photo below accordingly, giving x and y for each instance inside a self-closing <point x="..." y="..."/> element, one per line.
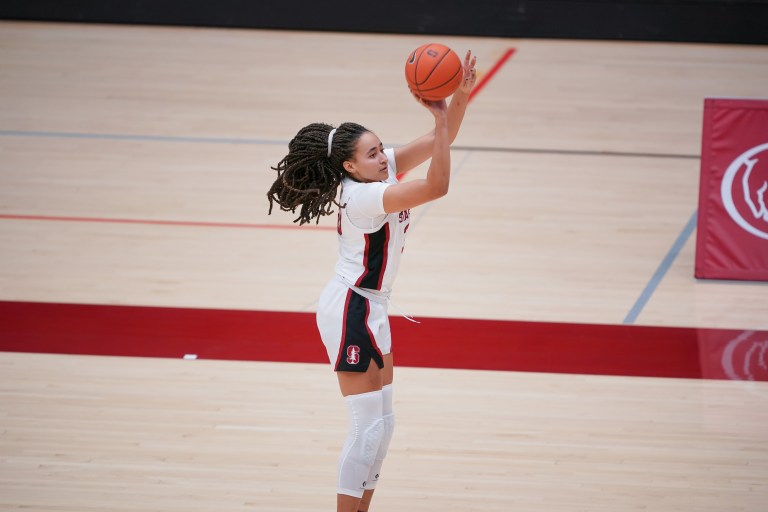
<point x="348" y="166"/>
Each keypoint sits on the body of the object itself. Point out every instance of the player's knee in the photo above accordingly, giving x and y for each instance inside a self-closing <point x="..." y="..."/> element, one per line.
<point x="367" y="430"/>
<point x="371" y="442"/>
<point x="389" y="430"/>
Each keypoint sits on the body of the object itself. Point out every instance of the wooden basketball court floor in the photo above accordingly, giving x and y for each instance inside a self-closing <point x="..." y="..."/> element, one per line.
<point x="134" y="163"/>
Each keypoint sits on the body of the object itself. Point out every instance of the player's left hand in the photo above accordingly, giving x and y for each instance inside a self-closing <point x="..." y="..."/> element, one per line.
<point x="470" y="73"/>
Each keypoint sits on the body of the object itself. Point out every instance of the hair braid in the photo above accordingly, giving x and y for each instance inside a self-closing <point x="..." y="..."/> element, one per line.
<point x="307" y="177"/>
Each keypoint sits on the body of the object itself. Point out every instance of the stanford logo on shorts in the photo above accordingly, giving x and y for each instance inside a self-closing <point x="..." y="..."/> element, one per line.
<point x="353" y="354"/>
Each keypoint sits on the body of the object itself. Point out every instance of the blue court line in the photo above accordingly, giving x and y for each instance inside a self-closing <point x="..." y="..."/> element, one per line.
<point x="144" y="138"/>
<point x="666" y="263"/>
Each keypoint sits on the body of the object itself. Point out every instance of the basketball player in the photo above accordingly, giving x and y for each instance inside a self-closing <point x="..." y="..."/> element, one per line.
<point x="373" y="218"/>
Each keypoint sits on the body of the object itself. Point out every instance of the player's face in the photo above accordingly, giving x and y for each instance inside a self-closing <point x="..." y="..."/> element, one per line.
<point x="369" y="162"/>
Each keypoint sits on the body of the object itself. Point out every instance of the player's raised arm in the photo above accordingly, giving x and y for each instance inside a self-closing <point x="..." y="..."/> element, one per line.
<point x="419" y="150"/>
<point x="414" y="193"/>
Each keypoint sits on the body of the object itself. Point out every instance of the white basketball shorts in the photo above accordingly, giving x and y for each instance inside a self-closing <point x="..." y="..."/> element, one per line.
<point x="354" y="330"/>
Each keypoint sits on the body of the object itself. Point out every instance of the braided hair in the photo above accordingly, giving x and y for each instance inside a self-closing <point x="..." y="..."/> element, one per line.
<point x="307" y="177"/>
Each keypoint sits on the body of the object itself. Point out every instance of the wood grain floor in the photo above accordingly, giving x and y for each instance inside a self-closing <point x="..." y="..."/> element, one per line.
<point x="134" y="163"/>
<point x="125" y="434"/>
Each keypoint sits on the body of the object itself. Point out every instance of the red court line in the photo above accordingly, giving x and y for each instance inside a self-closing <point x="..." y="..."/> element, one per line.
<point x="487" y="78"/>
<point x="482" y="83"/>
<point x="167" y="222"/>
<point x="142" y="331"/>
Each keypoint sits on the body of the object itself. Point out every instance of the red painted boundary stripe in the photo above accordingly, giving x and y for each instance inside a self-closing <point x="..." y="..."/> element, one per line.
<point x="482" y="83"/>
<point x="487" y="78"/>
<point x="166" y="222"/>
<point x="141" y="331"/>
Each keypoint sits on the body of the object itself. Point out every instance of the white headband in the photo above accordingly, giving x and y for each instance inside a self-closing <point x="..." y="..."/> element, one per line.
<point x="330" y="141"/>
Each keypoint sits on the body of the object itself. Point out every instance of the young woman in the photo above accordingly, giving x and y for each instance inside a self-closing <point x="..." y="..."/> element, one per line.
<point x="374" y="215"/>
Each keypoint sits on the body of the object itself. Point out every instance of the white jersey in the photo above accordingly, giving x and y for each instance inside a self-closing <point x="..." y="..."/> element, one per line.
<point x="370" y="240"/>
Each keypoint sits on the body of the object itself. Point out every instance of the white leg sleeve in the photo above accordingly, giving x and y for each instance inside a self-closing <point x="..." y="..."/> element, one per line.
<point x="389" y="428"/>
<point x="366" y="430"/>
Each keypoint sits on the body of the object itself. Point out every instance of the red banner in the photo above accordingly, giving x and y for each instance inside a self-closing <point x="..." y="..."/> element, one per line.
<point x="732" y="231"/>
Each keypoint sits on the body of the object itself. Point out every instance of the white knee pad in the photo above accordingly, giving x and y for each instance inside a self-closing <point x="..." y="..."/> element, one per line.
<point x="389" y="429"/>
<point x="366" y="431"/>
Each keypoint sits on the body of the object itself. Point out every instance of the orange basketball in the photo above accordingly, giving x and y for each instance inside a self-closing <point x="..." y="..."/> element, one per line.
<point x="433" y="71"/>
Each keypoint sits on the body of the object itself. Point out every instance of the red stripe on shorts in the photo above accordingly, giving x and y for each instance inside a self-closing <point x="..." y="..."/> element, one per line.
<point x="343" y="330"/>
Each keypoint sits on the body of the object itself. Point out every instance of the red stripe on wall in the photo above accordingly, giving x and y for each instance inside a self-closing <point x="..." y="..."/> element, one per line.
<point x="436" y="342"/>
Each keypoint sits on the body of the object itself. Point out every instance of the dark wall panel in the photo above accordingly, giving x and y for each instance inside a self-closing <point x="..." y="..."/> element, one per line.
<point x="712" y="21"/>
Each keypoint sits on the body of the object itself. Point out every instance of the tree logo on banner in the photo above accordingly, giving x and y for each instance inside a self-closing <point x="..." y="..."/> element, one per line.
<point x="744" y="190"/>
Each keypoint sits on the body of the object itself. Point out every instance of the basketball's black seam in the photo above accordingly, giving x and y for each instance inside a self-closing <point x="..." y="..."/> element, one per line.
<point x="437" y="65"/>
<point x="442" y="84"/>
